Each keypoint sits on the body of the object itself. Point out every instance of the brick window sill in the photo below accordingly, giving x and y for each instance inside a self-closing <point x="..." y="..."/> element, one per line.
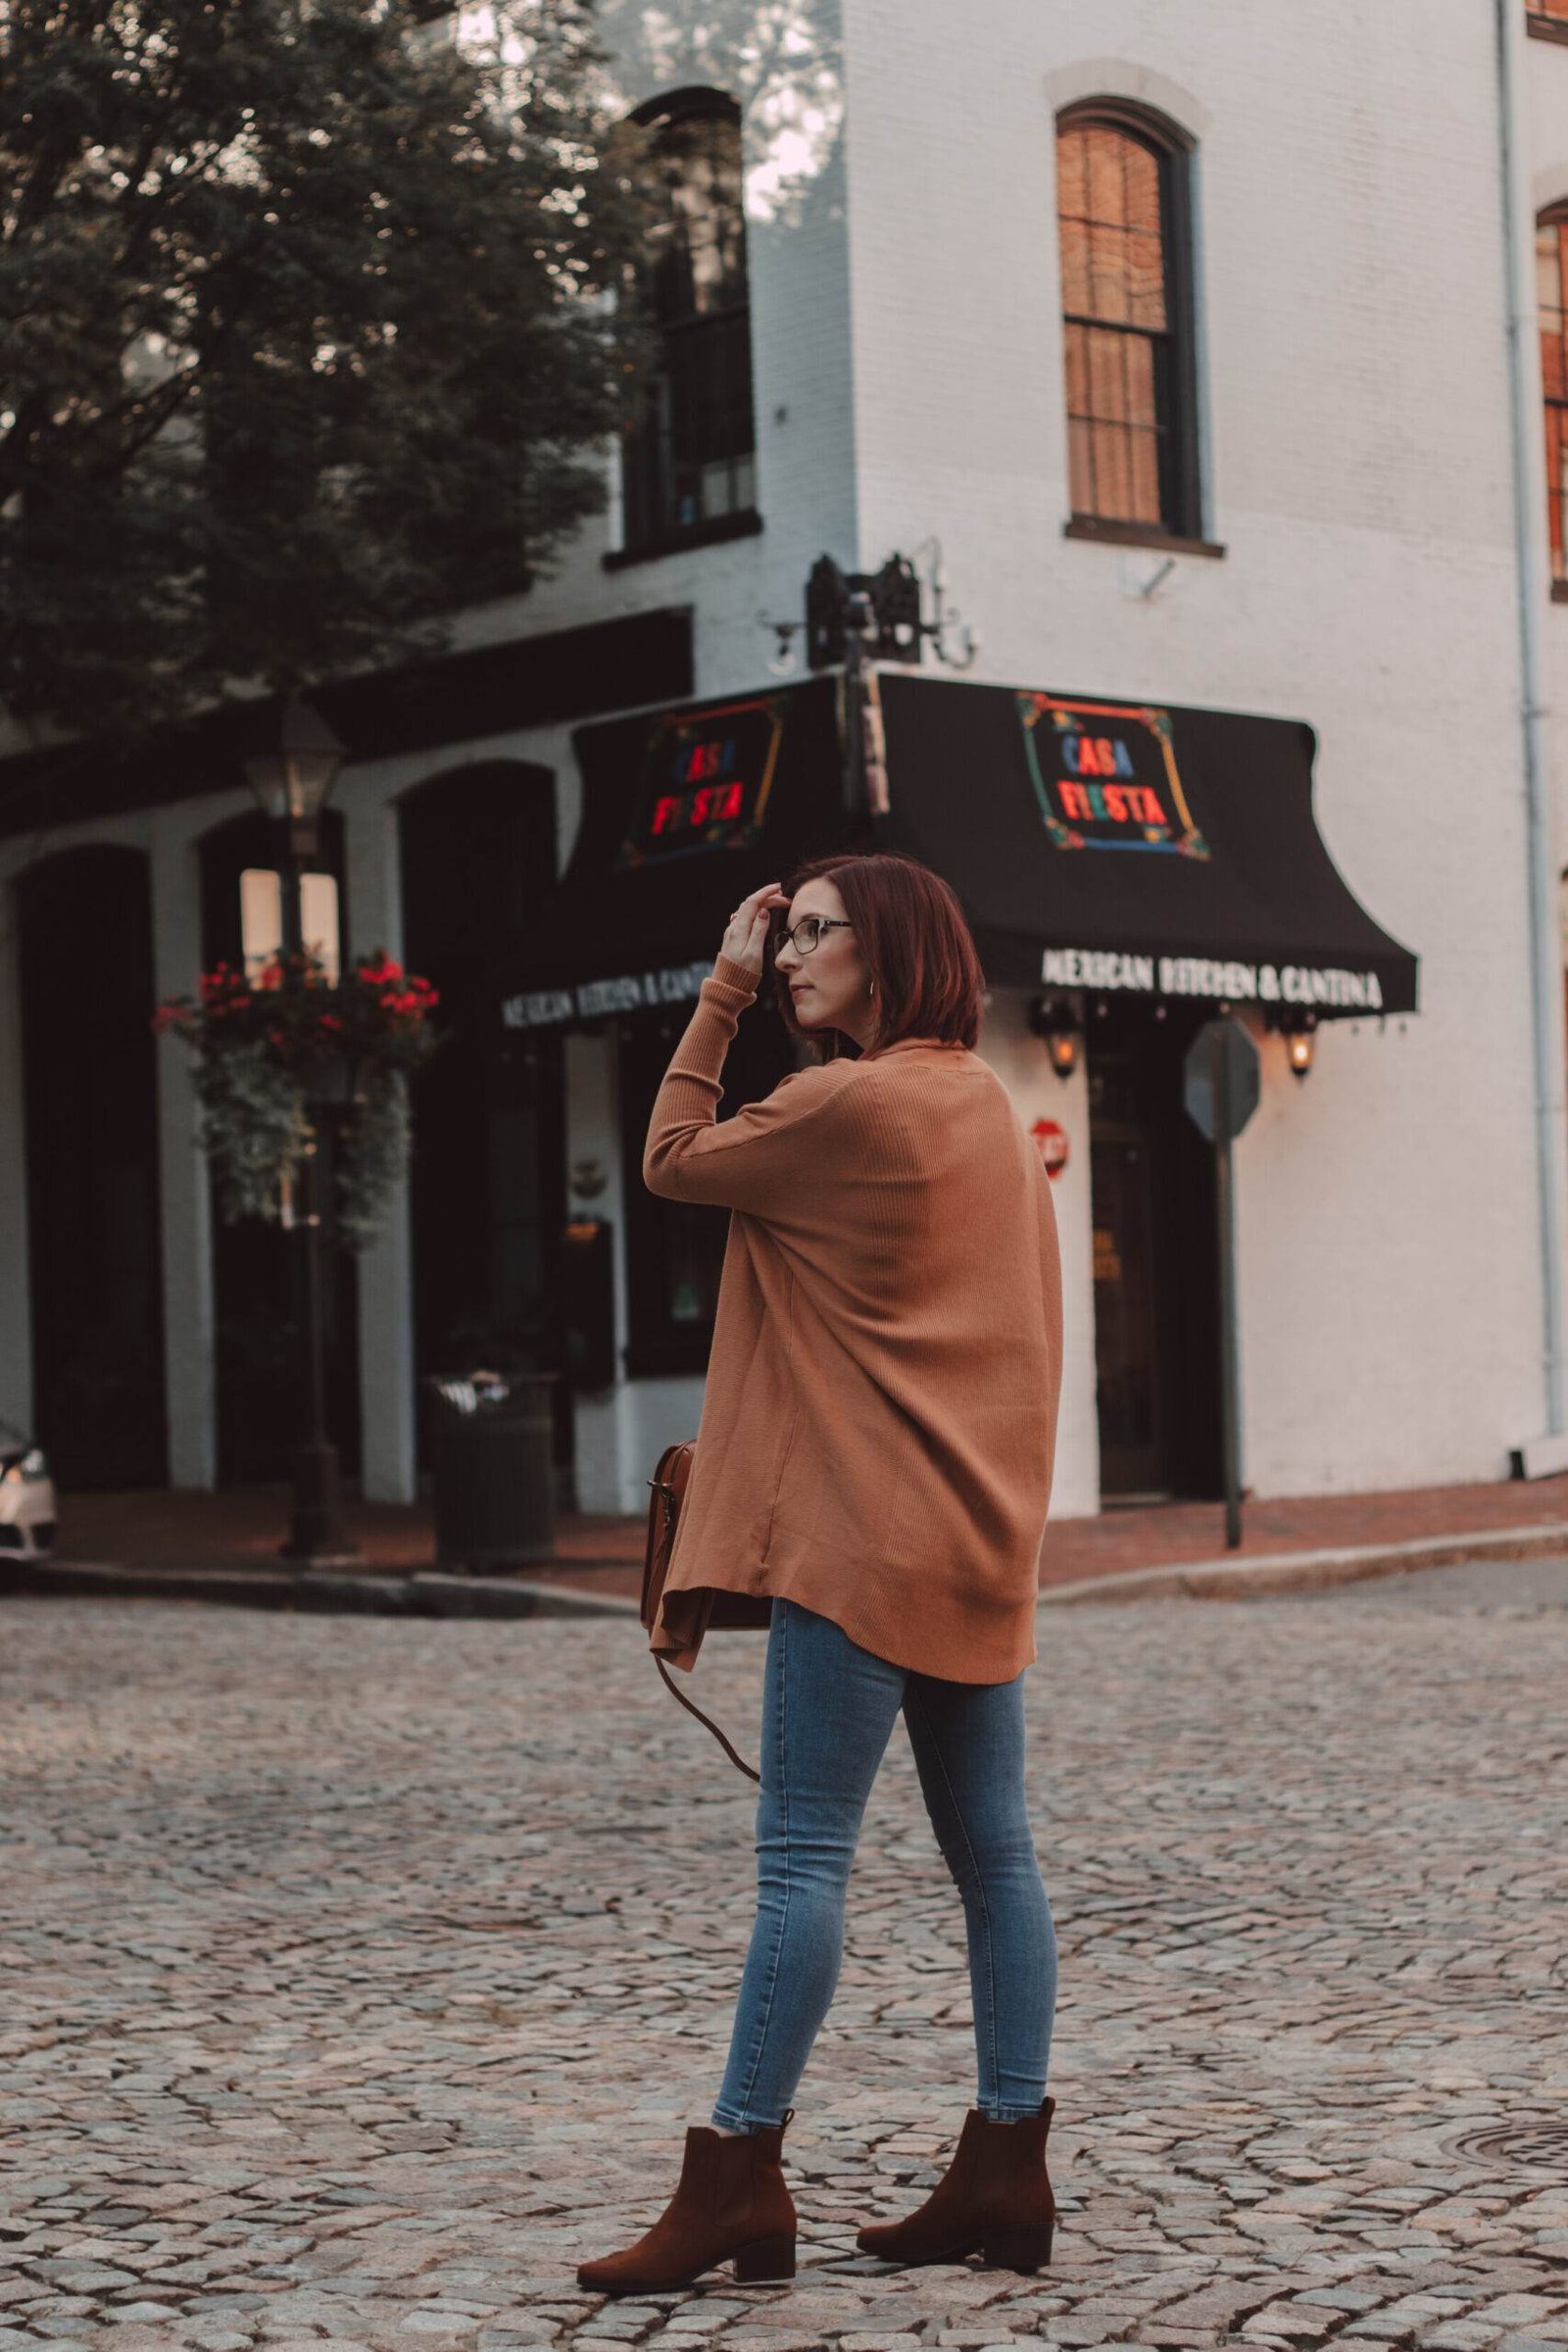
<point x="1137" y="534"/>
<point x="1546" y="28"/>
<point x="744" y="524"/>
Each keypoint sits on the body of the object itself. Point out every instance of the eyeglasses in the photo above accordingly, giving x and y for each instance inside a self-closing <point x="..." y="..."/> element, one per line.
<point x="808" y="932"/>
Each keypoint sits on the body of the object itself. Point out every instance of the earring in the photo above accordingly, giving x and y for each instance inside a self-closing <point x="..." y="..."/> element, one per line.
<point x="871" y="991"/>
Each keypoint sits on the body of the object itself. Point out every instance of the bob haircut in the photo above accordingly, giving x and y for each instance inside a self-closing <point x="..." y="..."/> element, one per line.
<point x="916" y="944"/>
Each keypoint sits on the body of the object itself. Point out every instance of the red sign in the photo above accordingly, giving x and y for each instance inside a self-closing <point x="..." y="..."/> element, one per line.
<point x="1105" y="775"/>
<point x="1050" y="1141"/>
<point x="705" y="782"/>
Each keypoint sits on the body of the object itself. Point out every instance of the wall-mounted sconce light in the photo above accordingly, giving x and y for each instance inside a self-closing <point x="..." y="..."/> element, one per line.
<point x="1056" y="1020"/>
<point x="1300" y="1032"/>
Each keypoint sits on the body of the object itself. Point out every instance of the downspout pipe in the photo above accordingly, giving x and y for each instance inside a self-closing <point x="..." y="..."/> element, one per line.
<point x="1542" y="1456"/>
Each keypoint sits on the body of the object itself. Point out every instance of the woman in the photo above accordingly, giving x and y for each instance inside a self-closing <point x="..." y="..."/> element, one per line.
<point x="875" y="1454"/>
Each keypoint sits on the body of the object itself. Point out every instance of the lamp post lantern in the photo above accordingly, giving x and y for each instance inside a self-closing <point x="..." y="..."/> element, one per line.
<point x="292" y="779"/>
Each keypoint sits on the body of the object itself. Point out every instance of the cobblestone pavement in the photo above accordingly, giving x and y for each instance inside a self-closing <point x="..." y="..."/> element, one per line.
<point x="357" y="1978"/>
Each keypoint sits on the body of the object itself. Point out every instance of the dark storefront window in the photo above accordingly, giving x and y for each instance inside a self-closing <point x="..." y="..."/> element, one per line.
<point x="690" y="465"/>
<point x="1121" y="193"/>
<point x="675" y="1249"/>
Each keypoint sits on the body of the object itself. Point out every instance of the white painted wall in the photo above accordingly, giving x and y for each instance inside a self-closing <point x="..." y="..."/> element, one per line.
<point x="1355" y="390"/>
<point x="1020" y="1061"/>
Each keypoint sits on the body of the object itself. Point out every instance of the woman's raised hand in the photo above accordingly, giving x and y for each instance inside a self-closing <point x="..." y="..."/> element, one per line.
<point x="745" y="940"/>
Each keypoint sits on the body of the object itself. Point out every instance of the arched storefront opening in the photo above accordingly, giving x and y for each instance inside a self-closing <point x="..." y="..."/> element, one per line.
<point x="488" y="1179"/>
<point x="255" y="1268"/>
<point x="90" y="1086"/>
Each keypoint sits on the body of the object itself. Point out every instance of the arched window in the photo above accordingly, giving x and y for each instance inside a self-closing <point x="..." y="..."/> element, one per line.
<point x="1126" y="298"/>
<point x="689" y="468"/>
<point x="1552" y="285"/>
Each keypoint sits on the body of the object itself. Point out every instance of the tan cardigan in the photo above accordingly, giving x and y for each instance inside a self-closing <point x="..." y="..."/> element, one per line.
<point x="880" y="1413"/>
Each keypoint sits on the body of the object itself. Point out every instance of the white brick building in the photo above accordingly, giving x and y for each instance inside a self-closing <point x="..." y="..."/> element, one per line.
<point x="1350" y="532"/>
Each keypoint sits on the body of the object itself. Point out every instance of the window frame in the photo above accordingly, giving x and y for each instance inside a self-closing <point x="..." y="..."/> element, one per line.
<point x="646" y="533"/>
<point x="1181" y="526"/>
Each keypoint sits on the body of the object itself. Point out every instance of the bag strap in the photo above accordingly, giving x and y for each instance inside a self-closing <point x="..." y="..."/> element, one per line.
<point x="707" y="1721"/>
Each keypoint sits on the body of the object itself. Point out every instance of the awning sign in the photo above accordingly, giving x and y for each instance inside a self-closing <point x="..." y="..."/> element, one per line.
<point x="705" y="781"/>
<point x="591" y="999"/>
<point x="1106" y="777"/>
<point x="1326" y="986"/>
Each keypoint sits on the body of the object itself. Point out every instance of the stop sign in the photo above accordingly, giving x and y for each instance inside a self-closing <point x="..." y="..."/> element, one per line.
<point x="1050" y="1141"/>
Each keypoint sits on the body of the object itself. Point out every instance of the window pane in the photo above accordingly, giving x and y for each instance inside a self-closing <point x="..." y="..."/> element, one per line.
<point x="1548" y="269"/>
<point x="1080" y="467"/>
<point x="1114" y="474"/>
<point x="1108" y="180"/>
<point x="1552" y="245"/>
<point x="1107" y="379"/>
<point x="1108" y="275"/>
<point x="1077" y="362"/>
<point x="1141" y="401"/>
<point x="1122" y="372"/>
<point x="1142" y="188"/>
<point x="691" y="459"/>
<point x="1074" y="265"/>
<point x="1144" y="448"/>
<point x="1145" y="281"/>
<point x="1073" y="187"/>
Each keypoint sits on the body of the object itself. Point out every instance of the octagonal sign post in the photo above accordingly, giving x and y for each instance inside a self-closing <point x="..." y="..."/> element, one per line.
<point x="1221" y="1081"/>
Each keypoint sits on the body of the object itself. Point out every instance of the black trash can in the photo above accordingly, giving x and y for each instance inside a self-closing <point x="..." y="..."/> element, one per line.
<point x="494" y="1480"/>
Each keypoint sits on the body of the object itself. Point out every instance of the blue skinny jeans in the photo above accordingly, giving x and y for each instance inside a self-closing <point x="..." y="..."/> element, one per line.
<point x="828" y="1708"/>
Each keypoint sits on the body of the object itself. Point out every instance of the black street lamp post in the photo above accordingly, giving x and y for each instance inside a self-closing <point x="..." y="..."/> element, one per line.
<point x="292" y="780"/>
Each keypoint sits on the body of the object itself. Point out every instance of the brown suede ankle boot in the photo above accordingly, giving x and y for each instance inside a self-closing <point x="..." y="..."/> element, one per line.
<point x="994" y="2200"/>
<point x="732" y="2199"/>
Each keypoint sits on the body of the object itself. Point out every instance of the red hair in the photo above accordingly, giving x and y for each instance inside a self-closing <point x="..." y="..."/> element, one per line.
<point x="915" y="938"/>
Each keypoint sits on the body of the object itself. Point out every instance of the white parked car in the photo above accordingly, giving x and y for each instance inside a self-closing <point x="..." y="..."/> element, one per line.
<point x="27" y="1509"/>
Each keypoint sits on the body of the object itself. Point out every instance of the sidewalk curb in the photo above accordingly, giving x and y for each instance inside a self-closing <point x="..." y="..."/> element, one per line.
<point x="427" y="1592"/>
<point x="1307" y="1571"/>
<point x="433" y="1592"/>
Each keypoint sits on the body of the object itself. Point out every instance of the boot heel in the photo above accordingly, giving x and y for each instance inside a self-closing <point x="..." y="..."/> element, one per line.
<point x="768" y="2259"/>
<point x="1018" y="2249"/>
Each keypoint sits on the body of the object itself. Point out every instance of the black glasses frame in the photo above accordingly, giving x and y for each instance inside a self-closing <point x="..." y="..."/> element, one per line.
<point x="823" y="922"/>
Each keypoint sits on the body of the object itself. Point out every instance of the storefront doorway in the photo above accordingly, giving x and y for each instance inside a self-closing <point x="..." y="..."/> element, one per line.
<point x="487" y="1191"/>
<point x="1155" y="1265"/>
<point x="89" y="1078"/>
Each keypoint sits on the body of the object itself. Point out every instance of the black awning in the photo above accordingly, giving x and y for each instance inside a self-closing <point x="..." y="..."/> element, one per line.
<point x="1150" y="849"/>
<point x="685" y="810"/>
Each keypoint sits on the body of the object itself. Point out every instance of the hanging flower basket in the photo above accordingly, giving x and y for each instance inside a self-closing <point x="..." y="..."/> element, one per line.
<point x="278" y="1054"/>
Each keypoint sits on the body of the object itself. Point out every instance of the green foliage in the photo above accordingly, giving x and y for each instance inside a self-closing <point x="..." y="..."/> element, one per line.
<point x="266" y="1051"/>
<point x="303" y="337"/>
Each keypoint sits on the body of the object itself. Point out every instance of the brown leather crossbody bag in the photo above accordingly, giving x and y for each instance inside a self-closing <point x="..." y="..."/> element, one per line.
<point x="715" y="1611"/>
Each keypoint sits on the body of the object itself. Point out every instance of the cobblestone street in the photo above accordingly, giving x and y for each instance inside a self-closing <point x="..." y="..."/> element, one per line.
<point x="358" y="1977"/>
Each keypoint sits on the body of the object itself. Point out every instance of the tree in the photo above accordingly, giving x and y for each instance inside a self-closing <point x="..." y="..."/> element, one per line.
<point x="304" y="337"/>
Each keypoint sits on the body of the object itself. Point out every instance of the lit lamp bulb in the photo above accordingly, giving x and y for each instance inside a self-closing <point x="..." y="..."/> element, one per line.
<point x="1298" y="1046"/>
<point x="1062" y="1044"/>
<point x="1058" y="1023"/>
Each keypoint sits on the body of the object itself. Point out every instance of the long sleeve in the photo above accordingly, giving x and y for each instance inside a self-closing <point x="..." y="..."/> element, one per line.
<point x="760" y="1160"/>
